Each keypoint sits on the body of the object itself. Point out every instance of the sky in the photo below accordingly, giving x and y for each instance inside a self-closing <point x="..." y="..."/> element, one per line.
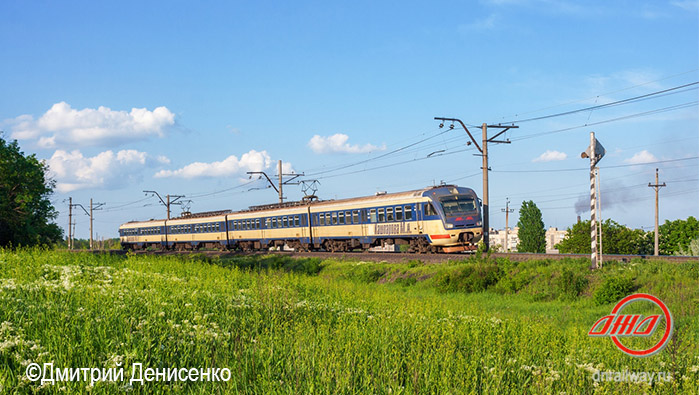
<point x="185" y="98"/>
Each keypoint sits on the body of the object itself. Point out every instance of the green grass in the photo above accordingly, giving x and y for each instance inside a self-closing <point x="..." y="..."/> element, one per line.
<point x="310" y="326"/>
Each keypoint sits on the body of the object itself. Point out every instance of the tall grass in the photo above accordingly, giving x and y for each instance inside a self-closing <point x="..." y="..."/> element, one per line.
<point x="309" y="326"/>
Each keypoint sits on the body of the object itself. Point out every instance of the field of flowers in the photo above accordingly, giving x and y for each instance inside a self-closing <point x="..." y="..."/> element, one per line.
<point x="309" y="326"/>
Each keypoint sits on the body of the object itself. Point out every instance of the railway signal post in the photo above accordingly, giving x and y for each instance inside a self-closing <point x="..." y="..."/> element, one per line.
<point x="483" y="149"/>
<point x="595" y="153"/>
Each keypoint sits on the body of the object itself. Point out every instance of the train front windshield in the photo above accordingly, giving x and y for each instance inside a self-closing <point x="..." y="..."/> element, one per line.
<point x="456" y="205"/>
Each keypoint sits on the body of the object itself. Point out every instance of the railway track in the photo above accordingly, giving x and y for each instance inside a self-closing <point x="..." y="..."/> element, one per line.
<point x="395" y="257"/>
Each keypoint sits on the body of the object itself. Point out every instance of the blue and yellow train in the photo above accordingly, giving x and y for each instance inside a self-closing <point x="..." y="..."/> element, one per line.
<point x="444" y="218"/>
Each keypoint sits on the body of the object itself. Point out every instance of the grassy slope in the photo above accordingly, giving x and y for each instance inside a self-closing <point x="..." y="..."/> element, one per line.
<point x="305" y="326"/>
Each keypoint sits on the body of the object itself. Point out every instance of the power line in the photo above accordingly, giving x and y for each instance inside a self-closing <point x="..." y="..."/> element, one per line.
<point x="377" y="157"/>
<point x="605" y="93"/>
<point x="641" y="114"/>
<point x="600" y="106"/>
<point x="602" y="167"/>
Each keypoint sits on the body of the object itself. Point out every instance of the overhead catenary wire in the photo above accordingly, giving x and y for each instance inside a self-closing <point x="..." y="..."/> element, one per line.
<point x="693" y="71"/>
<point x="659" y="93"/>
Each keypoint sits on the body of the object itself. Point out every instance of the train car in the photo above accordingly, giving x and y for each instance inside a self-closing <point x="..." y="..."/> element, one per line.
<point x="140" y="235"/>
<point x="445" y="218"/>
<point x="193" y="232"/>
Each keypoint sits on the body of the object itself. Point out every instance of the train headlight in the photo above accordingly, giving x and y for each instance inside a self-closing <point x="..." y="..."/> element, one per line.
<point x="478" y="223"/>
<point x="449" y="226"/>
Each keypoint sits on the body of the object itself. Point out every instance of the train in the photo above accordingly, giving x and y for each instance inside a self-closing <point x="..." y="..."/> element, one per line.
<point x="444" y="218"/>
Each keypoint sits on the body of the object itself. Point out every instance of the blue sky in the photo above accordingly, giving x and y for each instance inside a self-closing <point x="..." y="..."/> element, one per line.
<point x="121" y="97"/>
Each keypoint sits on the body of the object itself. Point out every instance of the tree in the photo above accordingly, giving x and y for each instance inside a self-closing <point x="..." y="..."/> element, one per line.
<point x="675" y="236"/>
<point x="531" y="230"/>
<point x="25" y="209"/>
<point x="617" y="239"/>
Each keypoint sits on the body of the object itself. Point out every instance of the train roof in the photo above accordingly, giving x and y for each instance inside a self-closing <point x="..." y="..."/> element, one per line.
<point x="380" y="196"/>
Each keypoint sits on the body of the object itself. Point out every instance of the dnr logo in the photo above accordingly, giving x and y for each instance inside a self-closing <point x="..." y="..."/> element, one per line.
<point x="618" y="325"/>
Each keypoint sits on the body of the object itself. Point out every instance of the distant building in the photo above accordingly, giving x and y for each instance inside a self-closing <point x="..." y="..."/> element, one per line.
<point x="497" y="239"/>
<point x="554" y="236"/>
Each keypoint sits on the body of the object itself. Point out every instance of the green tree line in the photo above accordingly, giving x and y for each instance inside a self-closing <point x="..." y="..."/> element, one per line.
<point x="679" y="237"/>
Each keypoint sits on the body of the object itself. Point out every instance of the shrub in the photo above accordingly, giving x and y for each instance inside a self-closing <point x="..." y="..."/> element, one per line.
<point x="471" y="278"/>
<point x="613" y="289"/>
<point x="571" y="284"/>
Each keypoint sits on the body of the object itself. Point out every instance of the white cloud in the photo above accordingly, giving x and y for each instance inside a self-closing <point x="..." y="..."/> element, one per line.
<point x="338" y="143"/>
<point x="550" y="156"/>
<point x="488" y="23"/>
<point x="688" y="5"/>
<point x="64" y="126"/>
<point x="250" y="161"/>
<point x="641" y="157"/>
<point x="107" y="170"/>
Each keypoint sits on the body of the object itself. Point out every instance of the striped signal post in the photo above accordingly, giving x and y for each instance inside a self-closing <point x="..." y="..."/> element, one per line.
<point x="594" y="152"/>
<point x="594" y="221"/>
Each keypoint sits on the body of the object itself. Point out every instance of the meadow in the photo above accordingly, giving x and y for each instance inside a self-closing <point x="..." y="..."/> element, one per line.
<point x="309" y="326"/>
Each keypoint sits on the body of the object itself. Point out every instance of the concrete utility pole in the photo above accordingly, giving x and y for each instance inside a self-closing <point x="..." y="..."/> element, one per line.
<point x="507" y="211"/>
<point x="656" y="187"/>
<point x="279" y="172"/>
<point x="70" y="223"/>
<point x="94" y="207"/>
<point x="168" y="200"/>
<point x="86" y="213"/>
<point x="278" y="187"/>
<point x="483" y="149"/>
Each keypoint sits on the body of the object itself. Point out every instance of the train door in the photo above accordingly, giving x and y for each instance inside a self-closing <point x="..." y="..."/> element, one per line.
<point x="419" y="217"/>
<point x="309" y="226"/>
<point x="364" y="221"/>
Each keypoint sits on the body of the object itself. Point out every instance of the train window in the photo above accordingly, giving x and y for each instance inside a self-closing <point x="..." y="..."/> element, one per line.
<point x="355" y="217"/>
<point x="257" y="223"/>
<point x="408" y="211"/>
<point x="335" y="218"/>
<point x="348" y="217"/>
<point x="399" y="213"/>
<point x="389" y="213"/>
<point x="428" y="209"/>
<point x="373" y="215"/>
<point x="285" y="224"/>
<point x="328" y="218"/>
<point x="341" y="218"/>
<point x="380" y="215"/>
<point x="296" y="221"/>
